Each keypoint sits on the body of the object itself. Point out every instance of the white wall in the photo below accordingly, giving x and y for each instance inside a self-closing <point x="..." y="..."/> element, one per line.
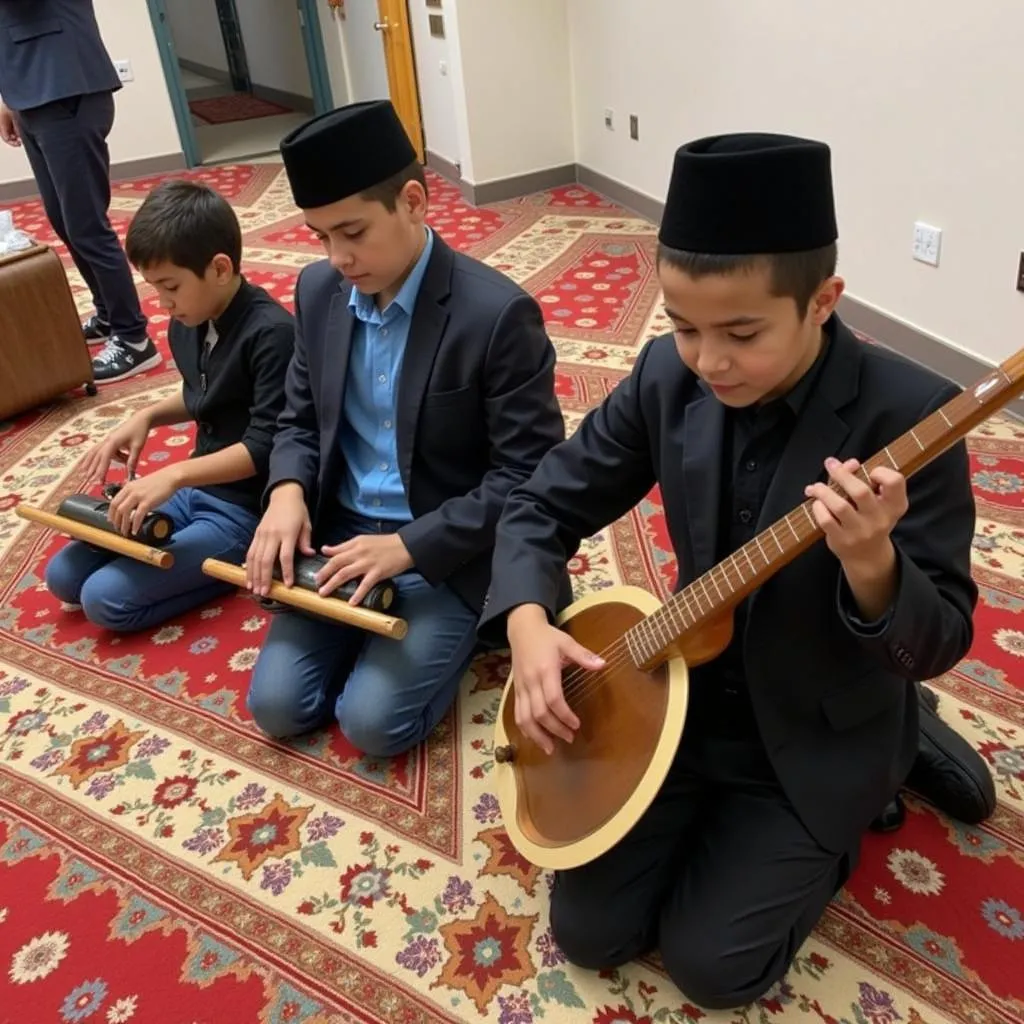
<point x="144" y="122"/>
<point x="270" y="31"/>
<point x="515" y="85"/>
<point x="434" y="76"/>
<point x="273" y="45"/>
<point x="196" y="31"/>
<point x="918" y="100"/>
<point x="330" y="31"/>
<point x="352" y="43"/>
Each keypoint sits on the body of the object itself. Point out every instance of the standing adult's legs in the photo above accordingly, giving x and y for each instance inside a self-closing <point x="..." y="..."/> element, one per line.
<point x="72" y="138"/>
<point x="51" y="205"/>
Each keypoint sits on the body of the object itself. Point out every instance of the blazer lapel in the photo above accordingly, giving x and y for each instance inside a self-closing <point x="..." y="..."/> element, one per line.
<point x="820" y="430"/>
<point x="337" y="348"/>
<point x="702" y="471"/>
<point x="429" y="318"/>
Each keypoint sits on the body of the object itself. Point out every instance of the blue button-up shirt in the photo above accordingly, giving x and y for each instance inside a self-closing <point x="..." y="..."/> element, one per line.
<point x="372" y="485"/>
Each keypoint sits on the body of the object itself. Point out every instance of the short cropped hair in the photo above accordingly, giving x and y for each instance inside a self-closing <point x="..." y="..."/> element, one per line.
<point x="388" y="191"/>
<point x="185" y="223"/>
<point x="794" y="275"/>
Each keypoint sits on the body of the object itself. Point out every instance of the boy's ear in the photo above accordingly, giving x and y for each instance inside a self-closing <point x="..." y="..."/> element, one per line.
<point x="414" y="197"/>
<point x="222" y="267"/>
<point x="826" y="298"/>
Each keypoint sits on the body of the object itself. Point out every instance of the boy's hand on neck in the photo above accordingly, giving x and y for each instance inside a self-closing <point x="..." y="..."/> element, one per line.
<point x="858" y="523"/>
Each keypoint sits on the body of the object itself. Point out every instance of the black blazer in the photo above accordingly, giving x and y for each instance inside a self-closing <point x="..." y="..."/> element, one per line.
<point x="835" y="704"/>
<point x="51" y="50"/>
<point x="476" y="409"/>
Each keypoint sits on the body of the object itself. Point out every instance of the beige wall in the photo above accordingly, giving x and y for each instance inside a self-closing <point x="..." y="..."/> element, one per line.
<point x="511" y="110"/>
<point x="144" y="125"/>
<point x="919" y="100"/>
<point x="434" y="76"/>
<point x="270" y="31"/>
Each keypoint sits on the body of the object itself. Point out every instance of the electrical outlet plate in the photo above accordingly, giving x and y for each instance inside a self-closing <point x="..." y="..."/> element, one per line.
<point x="124" y="70"/>
<point x="609" y="118"/>
<point x="927" y="243"/>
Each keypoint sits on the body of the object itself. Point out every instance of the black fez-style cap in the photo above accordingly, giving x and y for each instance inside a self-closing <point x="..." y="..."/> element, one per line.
<point x="750" y="194"/>
<point x="344" y="152"/>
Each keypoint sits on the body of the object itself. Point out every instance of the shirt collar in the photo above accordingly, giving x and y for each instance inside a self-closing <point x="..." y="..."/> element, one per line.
<point x="364" y="307"/>
<point x="236" y="307"/>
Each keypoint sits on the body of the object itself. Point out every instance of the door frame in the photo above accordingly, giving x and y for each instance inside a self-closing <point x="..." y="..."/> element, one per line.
<point x="172" y="76"/>
<point x="316" y="64"/>
<point x="316" y="56"/>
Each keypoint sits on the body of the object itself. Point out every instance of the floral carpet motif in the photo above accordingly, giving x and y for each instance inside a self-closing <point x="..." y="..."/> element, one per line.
<point x="161" y="862"/>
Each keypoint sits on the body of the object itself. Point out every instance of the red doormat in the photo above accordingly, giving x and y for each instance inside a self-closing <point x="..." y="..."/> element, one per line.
<point x="239" y="106"/>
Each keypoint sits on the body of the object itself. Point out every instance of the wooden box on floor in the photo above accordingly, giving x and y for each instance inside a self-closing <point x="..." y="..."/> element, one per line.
<point x="42" y="351"/>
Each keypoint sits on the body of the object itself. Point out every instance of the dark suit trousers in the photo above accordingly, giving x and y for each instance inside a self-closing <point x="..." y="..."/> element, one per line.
<point x="720" y="874"/>
<point x="66" y="144"/>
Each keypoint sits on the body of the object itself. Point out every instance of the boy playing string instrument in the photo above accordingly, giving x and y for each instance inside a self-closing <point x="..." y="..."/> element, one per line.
<point x="805" y="727"/>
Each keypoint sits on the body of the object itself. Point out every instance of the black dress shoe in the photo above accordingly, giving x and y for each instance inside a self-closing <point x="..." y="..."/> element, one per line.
<point x="948" y="771"/>
<point x="891" y="818"/>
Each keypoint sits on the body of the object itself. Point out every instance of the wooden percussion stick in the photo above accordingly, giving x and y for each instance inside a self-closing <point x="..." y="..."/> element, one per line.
<point x="100" y="538"/>
<point x="327" y="607"/>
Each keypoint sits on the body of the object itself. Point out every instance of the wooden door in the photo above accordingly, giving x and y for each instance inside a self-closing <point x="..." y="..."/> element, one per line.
<point x="398" y="55"/>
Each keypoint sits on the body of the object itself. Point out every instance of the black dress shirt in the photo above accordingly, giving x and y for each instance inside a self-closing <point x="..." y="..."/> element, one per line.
<point x="235" y="390"/>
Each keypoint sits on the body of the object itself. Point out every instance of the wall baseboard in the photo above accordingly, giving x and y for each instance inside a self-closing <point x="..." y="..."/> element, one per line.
<point x="215" y="74"/>
<point x="626" y="197"/>
<point x="442" y="165"/>
<point x="292" y="100"/>
<point x="26" y="188"/>
<point x="925" y="349"/>
<point x="512" y="188"/>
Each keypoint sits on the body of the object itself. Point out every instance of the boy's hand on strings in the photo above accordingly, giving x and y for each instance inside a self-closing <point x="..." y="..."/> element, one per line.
<point x="857" y="523"/>
<point x="540" y="653"/>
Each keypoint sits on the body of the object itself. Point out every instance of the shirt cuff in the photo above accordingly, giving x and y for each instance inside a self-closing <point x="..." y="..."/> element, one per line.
<point x="849" y="611"/>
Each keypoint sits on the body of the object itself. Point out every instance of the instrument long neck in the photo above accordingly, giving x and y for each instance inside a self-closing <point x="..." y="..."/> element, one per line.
<point x="723" y="587"/>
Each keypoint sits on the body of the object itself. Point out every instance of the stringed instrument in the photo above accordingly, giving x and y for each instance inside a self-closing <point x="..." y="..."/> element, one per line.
<point x="567" y="808"/>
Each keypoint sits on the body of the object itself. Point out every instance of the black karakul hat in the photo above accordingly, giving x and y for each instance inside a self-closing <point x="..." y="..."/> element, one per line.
<point x="750" y="194"/>
<point x="344" y="152"/>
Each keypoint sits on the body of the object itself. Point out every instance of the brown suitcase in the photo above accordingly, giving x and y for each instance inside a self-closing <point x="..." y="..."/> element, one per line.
<point x="43" y="353"/>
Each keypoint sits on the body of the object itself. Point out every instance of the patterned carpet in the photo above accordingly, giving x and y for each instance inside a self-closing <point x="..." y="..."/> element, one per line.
<point x="161" y="862"/>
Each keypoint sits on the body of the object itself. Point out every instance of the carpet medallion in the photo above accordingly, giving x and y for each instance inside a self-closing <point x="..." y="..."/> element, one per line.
<point x="160" y="861"/>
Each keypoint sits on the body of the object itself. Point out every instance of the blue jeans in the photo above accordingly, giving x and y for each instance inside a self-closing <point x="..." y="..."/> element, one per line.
<point x="125" y="595"/>
<point x="392" y="692"/>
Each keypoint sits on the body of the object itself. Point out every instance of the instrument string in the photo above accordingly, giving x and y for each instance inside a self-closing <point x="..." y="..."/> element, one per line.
<point x="707" y="595"/>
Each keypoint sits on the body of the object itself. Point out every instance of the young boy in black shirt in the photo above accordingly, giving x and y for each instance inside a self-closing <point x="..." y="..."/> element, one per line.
<point x="803" y="729"/>
<point x="231" y="343"/>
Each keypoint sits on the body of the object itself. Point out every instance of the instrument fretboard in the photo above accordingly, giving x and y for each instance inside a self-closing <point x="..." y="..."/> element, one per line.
<point x="720" y="589"/>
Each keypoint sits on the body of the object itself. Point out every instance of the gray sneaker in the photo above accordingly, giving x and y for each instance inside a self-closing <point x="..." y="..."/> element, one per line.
<point x="119" y="360"/>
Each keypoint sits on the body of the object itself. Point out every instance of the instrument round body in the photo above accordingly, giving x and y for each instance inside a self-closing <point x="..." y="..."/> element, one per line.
<point x="567" y="808"/>
<point x="156" y="530"/>
<point x="379" y="598"/>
